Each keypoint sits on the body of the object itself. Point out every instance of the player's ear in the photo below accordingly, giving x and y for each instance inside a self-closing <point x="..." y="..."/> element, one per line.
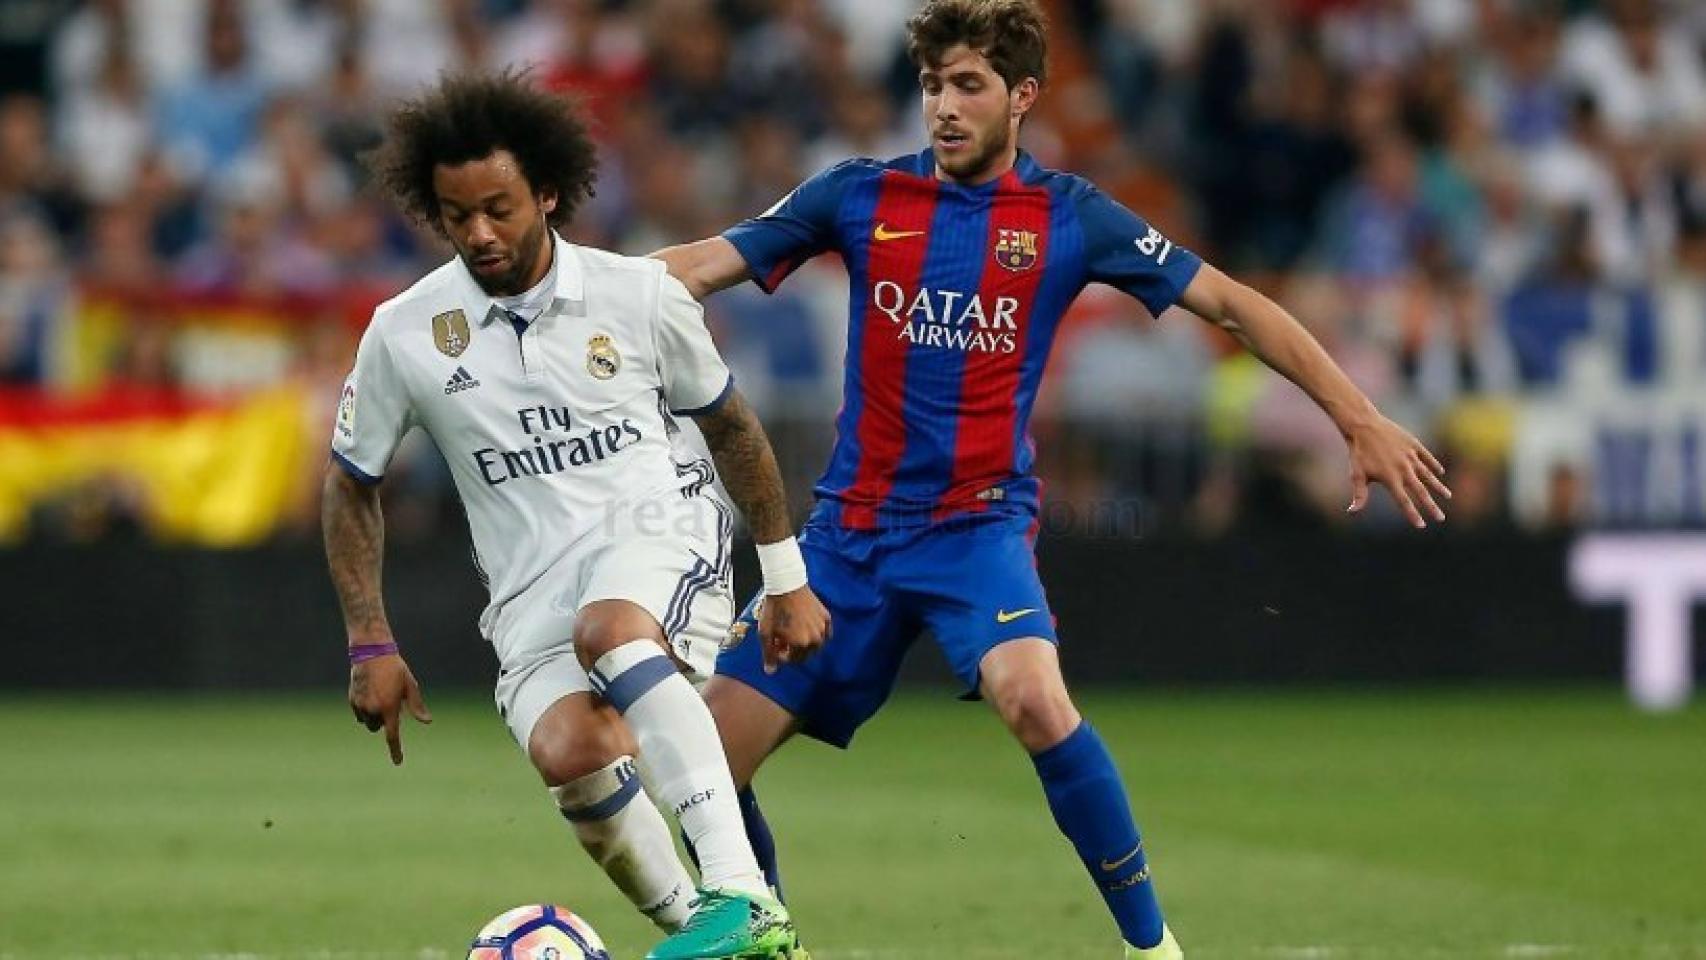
<point x="1024" y="96"/>
<point x="547" y="201"/>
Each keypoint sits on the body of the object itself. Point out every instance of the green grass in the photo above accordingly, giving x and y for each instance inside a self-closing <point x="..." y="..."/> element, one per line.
<point x="1390" y="825"/>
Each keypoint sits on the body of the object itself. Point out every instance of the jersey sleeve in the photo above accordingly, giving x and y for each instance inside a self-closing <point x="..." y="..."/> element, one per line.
<point x="373" y="411"/>
<point x="800" y="226"/>
<point x="1125" y="252"/>
<point x="695" y="378"/>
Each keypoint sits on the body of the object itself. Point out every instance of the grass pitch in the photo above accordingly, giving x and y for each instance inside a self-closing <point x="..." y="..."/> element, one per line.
<point x="1383" y="825"/>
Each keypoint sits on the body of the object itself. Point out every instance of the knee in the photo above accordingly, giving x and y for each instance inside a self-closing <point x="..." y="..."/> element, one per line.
<point x="591" y="645"/>
<point x="565" y="755"/>
<point x="607" y="624"/>
<point x="1039" y="712"/>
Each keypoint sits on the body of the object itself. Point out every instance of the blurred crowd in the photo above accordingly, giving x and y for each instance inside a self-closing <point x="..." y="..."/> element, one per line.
<point x="1491" y="212"/>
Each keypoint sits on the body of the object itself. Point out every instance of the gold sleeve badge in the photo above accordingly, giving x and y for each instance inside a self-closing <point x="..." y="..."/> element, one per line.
<point x="450" y="333"/>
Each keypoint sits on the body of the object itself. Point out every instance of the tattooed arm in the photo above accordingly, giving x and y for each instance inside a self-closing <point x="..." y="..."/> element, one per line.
<point x="354" y="529"/>
<point x="792" y="622"/>
<point x="748" y="467"/>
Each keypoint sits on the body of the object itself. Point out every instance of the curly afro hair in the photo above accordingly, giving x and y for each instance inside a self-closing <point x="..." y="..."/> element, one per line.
<point x="467" y="117"/>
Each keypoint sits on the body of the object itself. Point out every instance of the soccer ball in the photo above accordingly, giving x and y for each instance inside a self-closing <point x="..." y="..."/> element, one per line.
<point x="537" y="933"/>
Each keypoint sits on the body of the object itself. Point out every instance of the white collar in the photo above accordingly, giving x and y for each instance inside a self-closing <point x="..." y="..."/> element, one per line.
<point x="570" y="283"/>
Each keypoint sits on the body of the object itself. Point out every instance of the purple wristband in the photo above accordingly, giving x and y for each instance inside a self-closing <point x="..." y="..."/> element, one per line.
<point x="361" y="653"/>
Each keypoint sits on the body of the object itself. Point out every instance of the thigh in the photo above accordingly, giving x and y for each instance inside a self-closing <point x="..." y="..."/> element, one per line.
<point x="538" y="622"/>
<point x="534" y="636"/>
<point x="836" y="691"/>
<point x="680" y="574"/>
<point x="531" y="683"/>
<point x="750" y="724"/>
<point x="975" y="586"/>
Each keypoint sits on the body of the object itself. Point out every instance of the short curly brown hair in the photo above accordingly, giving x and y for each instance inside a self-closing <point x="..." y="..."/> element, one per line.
<point x="1012" y="34"/>
<point x="467" y="117"/>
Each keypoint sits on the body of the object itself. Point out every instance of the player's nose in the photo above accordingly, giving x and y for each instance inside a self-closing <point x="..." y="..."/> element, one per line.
<point x="480" y="233"/>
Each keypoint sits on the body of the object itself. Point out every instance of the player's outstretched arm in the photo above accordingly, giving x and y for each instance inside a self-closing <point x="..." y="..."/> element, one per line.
<point x="705" y="266"/>
<point x="1381" y="451"/>
<point x="380" y="682"/>
<point x="794" y="623"/>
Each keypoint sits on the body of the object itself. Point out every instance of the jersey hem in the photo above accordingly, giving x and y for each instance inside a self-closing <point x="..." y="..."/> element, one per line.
<point x="356" y="473"/>
<point x="721" y="398"/>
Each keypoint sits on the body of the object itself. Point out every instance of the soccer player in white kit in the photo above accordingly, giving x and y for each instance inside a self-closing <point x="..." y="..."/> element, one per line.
<point x="552" y="377"/>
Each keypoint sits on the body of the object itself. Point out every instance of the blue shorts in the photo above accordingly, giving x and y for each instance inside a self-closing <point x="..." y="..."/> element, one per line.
<point x="971" y="581"/>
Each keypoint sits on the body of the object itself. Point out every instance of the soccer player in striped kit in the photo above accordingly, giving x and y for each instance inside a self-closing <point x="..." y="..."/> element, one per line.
<point x="963" y="259"/>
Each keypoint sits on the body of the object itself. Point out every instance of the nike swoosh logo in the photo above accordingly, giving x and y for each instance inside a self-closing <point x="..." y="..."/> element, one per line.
<point x="882" y="232"/>
<point x="1111" y="866"/>
<point x="1002" y="616"/>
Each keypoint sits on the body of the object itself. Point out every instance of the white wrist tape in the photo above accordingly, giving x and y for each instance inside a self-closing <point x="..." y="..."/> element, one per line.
<point x="784" y="568"/>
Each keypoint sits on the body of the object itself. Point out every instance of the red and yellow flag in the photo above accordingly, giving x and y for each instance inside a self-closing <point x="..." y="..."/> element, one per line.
<point x="213" y="473"/>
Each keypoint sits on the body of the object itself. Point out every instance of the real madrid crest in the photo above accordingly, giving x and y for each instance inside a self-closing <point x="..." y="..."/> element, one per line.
<point x="602" y="360"/>
<point x="1016" y="249"/>
<point x="450" y="333"/>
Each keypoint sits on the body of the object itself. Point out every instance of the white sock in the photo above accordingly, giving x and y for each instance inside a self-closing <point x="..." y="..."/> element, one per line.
<point x="626" y="836"/>
<point x="683" y="759"/>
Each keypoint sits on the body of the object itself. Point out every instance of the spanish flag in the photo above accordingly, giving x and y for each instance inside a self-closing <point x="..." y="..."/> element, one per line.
<point x="212" y="473"/>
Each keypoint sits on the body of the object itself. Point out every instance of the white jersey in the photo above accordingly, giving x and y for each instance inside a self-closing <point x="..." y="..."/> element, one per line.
<point x="555" y="430"/>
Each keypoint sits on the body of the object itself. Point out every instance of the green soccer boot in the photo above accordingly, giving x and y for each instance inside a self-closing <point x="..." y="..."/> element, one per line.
<point x="730" y="925"/>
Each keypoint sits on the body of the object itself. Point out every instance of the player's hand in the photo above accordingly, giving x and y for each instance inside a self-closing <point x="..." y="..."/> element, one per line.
<point x="378" y="691"/>
<point x="792" y="626"/>
<point x="1387" y="454"/>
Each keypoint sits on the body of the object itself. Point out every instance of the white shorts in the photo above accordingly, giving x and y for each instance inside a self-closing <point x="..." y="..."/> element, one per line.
<point x="682" y="580"/>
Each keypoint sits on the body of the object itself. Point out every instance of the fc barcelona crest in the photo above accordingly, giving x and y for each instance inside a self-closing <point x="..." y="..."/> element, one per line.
<point x="738" y="630"/>
<point x="736" y="634"/>
<point x="450" y="333"/>
<point x="1016" y="249"/>
<point x="602" y="360"/>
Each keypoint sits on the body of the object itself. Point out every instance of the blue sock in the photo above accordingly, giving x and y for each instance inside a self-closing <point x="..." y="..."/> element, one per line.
<point x="1089" y="805"/>
<point x="763" y="843"/>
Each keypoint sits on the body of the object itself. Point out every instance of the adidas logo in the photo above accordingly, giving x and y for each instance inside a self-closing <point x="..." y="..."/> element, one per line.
<point x="459" y="381"/>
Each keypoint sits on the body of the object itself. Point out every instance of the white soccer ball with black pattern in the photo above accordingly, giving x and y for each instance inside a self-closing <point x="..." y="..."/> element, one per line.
<point x="539" y="932"/>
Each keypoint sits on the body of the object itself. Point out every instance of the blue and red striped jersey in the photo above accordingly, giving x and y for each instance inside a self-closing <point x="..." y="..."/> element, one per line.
<point x="956" y="293"/>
